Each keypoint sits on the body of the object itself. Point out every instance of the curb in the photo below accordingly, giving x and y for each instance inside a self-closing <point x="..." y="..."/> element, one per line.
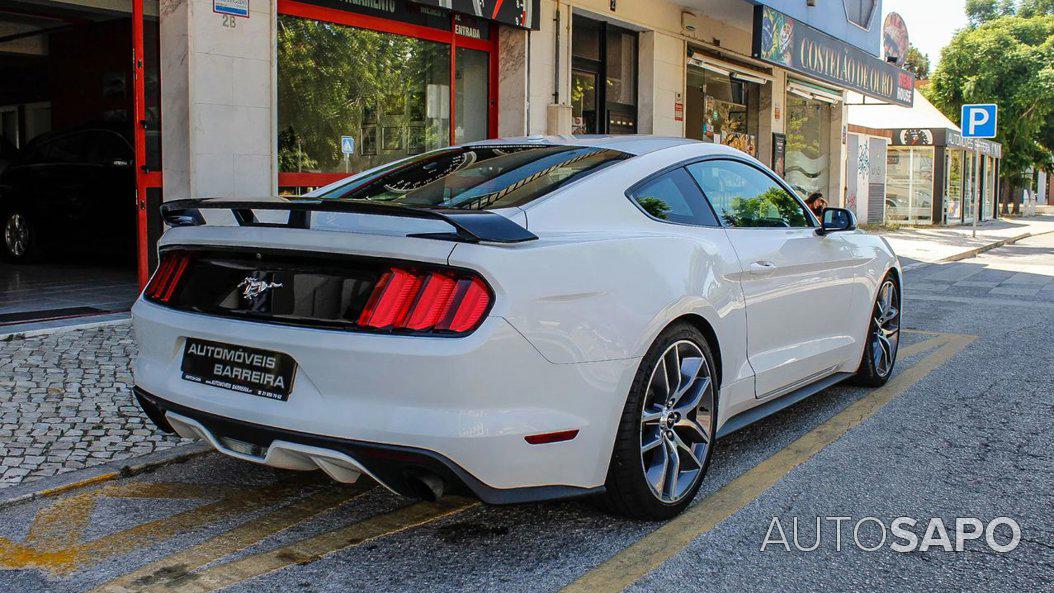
<point x="90" y="476"/>
<point x="976" y="250"/>
<point x="45" y="331"/>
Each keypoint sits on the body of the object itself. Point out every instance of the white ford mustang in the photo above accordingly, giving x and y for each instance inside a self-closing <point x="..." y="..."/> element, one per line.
<point x="519" y="319"/>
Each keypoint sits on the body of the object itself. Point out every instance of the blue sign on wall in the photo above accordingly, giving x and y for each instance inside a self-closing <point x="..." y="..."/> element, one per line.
<point x="979" y="121"/>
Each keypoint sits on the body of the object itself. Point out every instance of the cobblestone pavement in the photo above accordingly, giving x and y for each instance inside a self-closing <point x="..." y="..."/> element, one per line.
<point x="66" y="403"/>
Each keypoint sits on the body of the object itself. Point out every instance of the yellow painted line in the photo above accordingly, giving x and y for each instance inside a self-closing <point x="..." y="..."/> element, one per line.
<point x="920" y="347"/>
<point x="314" y="548"/>
<point x="653" y="550"/>
<point x="79" y="484"/>
<point x="173" y="568"/>
<point x="54" y="544"/>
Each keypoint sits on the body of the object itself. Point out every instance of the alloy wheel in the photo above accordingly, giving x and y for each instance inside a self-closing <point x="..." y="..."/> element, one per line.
<point x="885" y="332"/>
<point x="676" y="421"/>
<point x="16" y="234"/>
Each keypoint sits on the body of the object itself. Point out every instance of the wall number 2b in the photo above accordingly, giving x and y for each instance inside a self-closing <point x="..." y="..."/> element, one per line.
<point x="231" y="22"/>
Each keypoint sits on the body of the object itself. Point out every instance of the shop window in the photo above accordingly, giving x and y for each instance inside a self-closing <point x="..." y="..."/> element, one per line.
<point x="390" y="93"/>
<point x="722" y="109"/>
<point x="603" y="78"/>
<point x="909" y="184"/>
<point x="744" y="196"/>
<point x="859" y="12"/>
<point x="808" y="145"/>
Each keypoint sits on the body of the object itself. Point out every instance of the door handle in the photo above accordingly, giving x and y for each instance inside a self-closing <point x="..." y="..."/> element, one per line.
<point x="762" y="268"/>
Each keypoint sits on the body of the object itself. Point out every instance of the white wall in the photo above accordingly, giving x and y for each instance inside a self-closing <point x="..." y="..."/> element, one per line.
<point x="218" y="101"/>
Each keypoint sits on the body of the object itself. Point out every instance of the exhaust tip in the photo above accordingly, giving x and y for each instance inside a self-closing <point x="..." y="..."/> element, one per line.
<point x="426" y="486"/>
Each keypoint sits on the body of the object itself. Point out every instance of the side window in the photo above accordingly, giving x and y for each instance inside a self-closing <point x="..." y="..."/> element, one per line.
<point x="674" y="197"/>
<point x="746" y="197"/>
<point x="107" y="147"/>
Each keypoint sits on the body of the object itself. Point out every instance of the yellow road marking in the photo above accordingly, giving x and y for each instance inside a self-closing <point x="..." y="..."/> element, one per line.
<point x="920" y="347"/>
<point x="54" y="542"/>
<point x="312" y="548"/>
<point x="648" y="553"/>
<point x="171" y="569"/>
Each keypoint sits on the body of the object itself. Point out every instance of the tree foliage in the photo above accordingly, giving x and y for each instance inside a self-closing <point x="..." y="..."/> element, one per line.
<point x="917" y="63"/>
<point x="1008" y="60"/>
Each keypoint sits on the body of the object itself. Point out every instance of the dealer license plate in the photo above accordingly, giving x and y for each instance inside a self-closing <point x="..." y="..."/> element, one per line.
<point x="239" y="368"/>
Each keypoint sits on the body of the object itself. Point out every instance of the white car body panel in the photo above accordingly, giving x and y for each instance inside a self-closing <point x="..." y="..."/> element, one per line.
<point x="574" y="312"/>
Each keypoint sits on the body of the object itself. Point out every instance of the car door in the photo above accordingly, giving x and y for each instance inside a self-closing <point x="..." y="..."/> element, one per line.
<point x="797" y="284"/>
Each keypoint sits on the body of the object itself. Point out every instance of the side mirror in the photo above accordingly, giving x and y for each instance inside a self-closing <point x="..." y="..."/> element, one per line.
<point x="836" y="220"/>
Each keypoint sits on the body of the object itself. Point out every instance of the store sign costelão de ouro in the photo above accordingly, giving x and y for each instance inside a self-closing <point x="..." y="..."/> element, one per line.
<point x="794" y="45"/>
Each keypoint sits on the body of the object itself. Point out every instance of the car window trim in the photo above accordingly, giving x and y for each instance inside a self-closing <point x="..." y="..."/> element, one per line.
<point x="809" y="216"/>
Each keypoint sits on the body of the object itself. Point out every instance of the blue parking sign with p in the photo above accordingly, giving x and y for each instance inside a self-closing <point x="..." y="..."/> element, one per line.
<point x="979" y="121"/>
<point x="347" y="144"/>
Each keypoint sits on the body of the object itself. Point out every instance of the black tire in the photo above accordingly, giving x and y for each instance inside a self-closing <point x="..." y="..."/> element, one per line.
<point x="18" y="237"/>
<point x="628" y="492"/>
<point x="872" y="372"/>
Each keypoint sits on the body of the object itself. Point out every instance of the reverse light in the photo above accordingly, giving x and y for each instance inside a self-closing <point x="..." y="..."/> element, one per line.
<point x="438" y="301"/>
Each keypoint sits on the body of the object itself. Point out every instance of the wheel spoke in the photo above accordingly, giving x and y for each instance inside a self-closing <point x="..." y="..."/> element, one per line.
<point x="650" y="417"/>
<point x="656" y="473"/>
<point x="694" y="429"/>
<point x="655" y="441"/>
<point x="671" y="364"/>
<point x="685" y="449"/>
<point x="673" y="472"/>
<point x="692" y="396"/>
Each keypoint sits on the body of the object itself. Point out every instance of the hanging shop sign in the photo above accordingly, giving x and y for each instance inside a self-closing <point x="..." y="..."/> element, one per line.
<point x="437" y="14"/>
<point x="518" y="13"/>
<point x="791" y="44"/>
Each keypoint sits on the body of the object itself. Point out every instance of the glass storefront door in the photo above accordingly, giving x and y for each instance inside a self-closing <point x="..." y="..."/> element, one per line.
<point x="808" y="145"/>
<point x="988" y="199"/>
<point x="471" y="104"/>
<point x="909" y="184"/>
<point x="953" y="187"/>
<point x="603" y="78"/>
<point x="971" y="183"/>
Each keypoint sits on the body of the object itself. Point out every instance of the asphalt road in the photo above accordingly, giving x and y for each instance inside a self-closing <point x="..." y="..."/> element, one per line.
<point x="963" y="430"/>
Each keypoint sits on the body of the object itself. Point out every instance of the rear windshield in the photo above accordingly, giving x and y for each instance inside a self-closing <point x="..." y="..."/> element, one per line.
<point x="480" y="177"/>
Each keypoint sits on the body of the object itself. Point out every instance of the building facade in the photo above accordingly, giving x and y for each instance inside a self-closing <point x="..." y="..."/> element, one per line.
<point x="253" y="98"/>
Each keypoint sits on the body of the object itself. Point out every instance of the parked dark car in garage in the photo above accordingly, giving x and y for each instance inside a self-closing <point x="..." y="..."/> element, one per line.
<point x="70" y="191"/>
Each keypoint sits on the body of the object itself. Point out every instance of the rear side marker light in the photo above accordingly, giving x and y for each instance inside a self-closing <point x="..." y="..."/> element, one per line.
<point x="551" y="437"/>
<point x="426" y="301"/>
<point x="165" y="280"/>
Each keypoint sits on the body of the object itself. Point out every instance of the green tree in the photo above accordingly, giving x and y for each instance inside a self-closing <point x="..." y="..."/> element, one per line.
<point x="1031" y="8"/>
<point x="983" y="11"/>
<point x="1008" y="61"/>
<point x="917" y="63"/>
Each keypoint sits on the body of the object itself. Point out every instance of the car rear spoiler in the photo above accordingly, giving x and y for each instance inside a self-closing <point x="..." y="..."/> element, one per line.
<point x="470" y="226"/>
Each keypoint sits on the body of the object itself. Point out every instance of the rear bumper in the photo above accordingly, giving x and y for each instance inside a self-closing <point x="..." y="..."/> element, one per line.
<point x="458" y="406"/>
<point x="393" y="466"/>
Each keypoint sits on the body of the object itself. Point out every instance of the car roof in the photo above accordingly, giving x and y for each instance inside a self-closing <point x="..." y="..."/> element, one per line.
<point x="636" y="144"/>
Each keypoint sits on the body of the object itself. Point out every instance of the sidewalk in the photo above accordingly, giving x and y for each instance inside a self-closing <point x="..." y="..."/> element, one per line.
<point x="66" y="404"/>
<point x="920" y="245"/>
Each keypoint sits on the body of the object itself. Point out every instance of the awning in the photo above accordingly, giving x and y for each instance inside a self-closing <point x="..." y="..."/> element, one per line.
<point x="812" y="91"/>
<point x="726" y="68"/>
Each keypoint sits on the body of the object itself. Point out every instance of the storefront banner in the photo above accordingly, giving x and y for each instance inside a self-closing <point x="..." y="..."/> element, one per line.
<point x="945" y="137"/>
<point x="791" y="44"/>
<point x="779" y="154"/>
<point x="518" y="13"/>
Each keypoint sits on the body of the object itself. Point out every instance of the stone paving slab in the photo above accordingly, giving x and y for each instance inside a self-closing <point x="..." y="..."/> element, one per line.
<point x="66" y="403"/>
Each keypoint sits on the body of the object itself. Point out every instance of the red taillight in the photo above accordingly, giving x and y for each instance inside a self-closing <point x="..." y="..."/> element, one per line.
<point x="163" y="285"/>
<point x="551" y="437"/>
<point x="426" y="301"/>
